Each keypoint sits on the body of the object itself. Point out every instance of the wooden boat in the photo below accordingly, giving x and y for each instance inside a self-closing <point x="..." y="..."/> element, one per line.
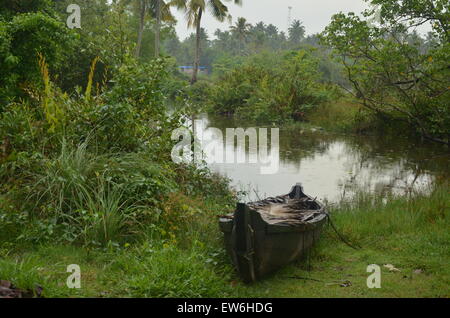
<point x="263" y="236"/>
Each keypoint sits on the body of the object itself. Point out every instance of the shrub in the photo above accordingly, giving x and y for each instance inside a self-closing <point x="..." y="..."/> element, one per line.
<point x="264" y="92"/>
<point x="21" y="40"/>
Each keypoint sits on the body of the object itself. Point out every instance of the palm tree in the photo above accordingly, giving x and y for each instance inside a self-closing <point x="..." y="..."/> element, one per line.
<point x="260" y="27"/>
<point x="296" y="32"/>
<point x="194" y="10"/>
<point x="242" y="30"/>
<point x="223" y="40"/>
<point x="161" y="11"/>
<point x="158" y="26"/>
<point x="142" y="13"/>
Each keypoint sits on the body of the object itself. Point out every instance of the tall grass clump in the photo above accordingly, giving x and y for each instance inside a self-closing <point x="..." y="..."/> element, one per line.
<point x="107" y="216"/>
<point x="57" y="186"/>
<point x="74" y="191"/>
<point x="78" y="195"/>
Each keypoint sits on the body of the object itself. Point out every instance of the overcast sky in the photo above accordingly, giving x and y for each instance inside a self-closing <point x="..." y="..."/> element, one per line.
<point x="315" y="14"/>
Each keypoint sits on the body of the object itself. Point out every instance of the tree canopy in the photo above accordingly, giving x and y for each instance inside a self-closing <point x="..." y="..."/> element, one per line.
<point x="390" y="70"/>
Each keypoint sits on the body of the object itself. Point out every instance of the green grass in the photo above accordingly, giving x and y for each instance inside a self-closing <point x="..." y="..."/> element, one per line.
<point x="348" y="115"/>
<point x="344" y="115"/>
<point x="409" y="233"/>
<point x="337" y="116"/>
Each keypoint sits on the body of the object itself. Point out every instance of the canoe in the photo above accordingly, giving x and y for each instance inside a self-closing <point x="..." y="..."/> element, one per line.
<point x="263" y="236"/>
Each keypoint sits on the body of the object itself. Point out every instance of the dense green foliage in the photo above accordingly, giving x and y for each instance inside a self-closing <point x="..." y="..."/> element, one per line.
<point x="394" y="72"/>
<point x="33" y="30"/>
<point x="267" y="88"/>
<point x="229" y="48"/>
<point x="93" y="169"/>
<point x="390" y="69"/>
<point x="85" y="137"/>
<point x="108" y="31"/>
<point x="86" y="159"/>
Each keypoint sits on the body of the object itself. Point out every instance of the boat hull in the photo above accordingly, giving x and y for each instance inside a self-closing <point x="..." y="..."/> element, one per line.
<point x="258" y="248"/>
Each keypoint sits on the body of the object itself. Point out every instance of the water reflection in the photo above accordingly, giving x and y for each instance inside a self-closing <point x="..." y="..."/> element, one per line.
<point x="335" y="166"/>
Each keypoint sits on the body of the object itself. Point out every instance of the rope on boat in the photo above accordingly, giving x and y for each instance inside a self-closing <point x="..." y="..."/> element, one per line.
<point x="257" y="195"/>
<point x="341" y="237"/>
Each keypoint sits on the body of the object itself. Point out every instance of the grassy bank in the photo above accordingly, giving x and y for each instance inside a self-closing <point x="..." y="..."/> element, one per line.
<point x="342" y="115"/>
<point x="347" y="115"/>
<point x="409" y="233"/>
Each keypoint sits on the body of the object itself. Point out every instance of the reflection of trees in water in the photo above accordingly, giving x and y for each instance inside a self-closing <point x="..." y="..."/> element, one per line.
<point x="295" y="146"/>
<point x="375" y="150"/>
<point x="383" y="164"/>
<point x="380" y="163"/>
<point x="415" y="156"/>
<point x="393" y="164"/>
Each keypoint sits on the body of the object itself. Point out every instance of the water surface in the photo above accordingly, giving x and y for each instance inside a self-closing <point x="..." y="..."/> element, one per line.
<point x="333" y="166"/>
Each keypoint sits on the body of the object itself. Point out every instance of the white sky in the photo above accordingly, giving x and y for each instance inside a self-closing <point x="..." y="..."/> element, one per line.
<point x="315" y="14"/>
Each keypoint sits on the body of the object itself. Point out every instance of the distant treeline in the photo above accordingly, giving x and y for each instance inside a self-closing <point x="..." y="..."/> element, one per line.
<point x="230" y="48"/>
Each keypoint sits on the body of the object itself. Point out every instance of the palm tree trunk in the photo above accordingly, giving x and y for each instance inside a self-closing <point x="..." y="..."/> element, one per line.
<point x="158" y="28"/>
<point x="197" y="48"/>
<point x="141" y="29"/>
<point x="240" y="45"/>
